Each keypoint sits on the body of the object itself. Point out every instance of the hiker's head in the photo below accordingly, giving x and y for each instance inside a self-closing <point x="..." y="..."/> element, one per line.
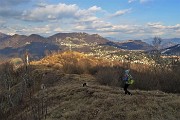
<point x="127" y="71"/>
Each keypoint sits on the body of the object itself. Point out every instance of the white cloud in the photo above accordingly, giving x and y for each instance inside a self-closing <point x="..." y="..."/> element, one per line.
<point x="106" y="28"/>
<point x="121" y="12"/>
<point x="141" y="31"/>
<point x="94" y="9"/>
<point x="71" y="18"/>
<point x="175" y="27"/>
<point x="156" y="25"/>
<point x="163" y="27"/>
<point x="51" y="12"/>
<point x="158" y="29"/>
<point x="59" y="11"/>
<point x="58" y="29"/>
<point x="96" y="25"/>
<point x="41" y="29"/>
<point x="27" y="30"/>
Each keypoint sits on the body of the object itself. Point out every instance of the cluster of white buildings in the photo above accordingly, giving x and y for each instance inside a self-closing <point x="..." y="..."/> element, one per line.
<point x="111" y="54"/>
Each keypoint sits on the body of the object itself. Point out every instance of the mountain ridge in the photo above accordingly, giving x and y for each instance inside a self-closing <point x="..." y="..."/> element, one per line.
<point x="78" y="41"/>
<point x="131" y="45"/>
<point x="173" y="50"/>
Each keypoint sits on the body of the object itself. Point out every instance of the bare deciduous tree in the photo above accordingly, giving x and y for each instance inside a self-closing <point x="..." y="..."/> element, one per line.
<point x="157" y="43"/>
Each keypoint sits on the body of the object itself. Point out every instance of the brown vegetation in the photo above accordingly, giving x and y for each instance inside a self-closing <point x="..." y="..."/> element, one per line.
<point x="53" y="89"/>
<point x="147" y="77"/>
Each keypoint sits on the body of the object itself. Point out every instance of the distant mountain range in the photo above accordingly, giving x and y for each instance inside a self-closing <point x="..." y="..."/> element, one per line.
<point x="168" y="46"/>
<point x="37" y="50"/>
<point x="3" y="37"/>
<point x="130" y="45"/>
<point x="16" y="45"/>
<point x="165" y="42"/>
<point x="37" y="46"/>
<point x="174" y="50"/>
<point x="77" y="38"/>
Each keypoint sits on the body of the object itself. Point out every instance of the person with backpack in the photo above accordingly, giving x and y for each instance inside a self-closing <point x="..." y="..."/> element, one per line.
<point x="127" y="78"/>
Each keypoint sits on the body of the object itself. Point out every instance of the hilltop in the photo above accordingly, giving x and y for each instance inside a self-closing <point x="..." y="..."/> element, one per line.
<point x="67" y="99"/>
<point x="52" y="88"/>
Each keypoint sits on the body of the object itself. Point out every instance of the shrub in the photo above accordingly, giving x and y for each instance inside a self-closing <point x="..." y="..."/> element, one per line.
<point x="146" y="77"/>
<point x="108" y="76"/>
<point x="156" y="78"/>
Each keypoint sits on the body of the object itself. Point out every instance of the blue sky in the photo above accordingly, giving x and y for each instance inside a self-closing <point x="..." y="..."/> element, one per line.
<point x="121" y="19"/>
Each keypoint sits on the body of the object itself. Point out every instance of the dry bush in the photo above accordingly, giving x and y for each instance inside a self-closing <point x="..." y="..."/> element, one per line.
<point x="170" y="81"/>
<point x="145" y="81"/>
<point x="8" y="79"/>
<point x="24" y="83"/>
<point x="72" y="68"/>
<point x="76" y="63"/>
<point x="7" y="75"/>
<point x="156" y="78"/>
<point x="146" y="77"/>
<point x="71" y="62"/>
<point x="58" y="66"/>
<point x="108" y="76"/>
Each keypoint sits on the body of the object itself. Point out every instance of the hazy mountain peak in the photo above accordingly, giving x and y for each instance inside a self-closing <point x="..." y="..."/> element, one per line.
<point x="34" y="35"/>
<point x="3" y="36"/>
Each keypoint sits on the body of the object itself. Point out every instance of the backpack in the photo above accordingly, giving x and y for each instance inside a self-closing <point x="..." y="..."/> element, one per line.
<point x="125" y="78"/>
<point x="128" y="79"/>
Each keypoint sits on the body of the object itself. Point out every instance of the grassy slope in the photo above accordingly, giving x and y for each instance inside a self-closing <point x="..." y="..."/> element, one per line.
<point x="69" y="100"/>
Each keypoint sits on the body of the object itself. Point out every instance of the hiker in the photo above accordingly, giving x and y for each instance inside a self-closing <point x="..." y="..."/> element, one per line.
<point x="127" y="78"/>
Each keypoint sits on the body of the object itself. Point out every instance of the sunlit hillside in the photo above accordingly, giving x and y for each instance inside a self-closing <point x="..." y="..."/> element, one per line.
<point x="75" y="86"/>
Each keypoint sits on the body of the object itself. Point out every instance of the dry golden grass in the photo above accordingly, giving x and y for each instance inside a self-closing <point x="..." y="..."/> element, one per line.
<point x="66" y="99"/>
<point x="70" y="101"/>
<point x="147" y="77"/>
